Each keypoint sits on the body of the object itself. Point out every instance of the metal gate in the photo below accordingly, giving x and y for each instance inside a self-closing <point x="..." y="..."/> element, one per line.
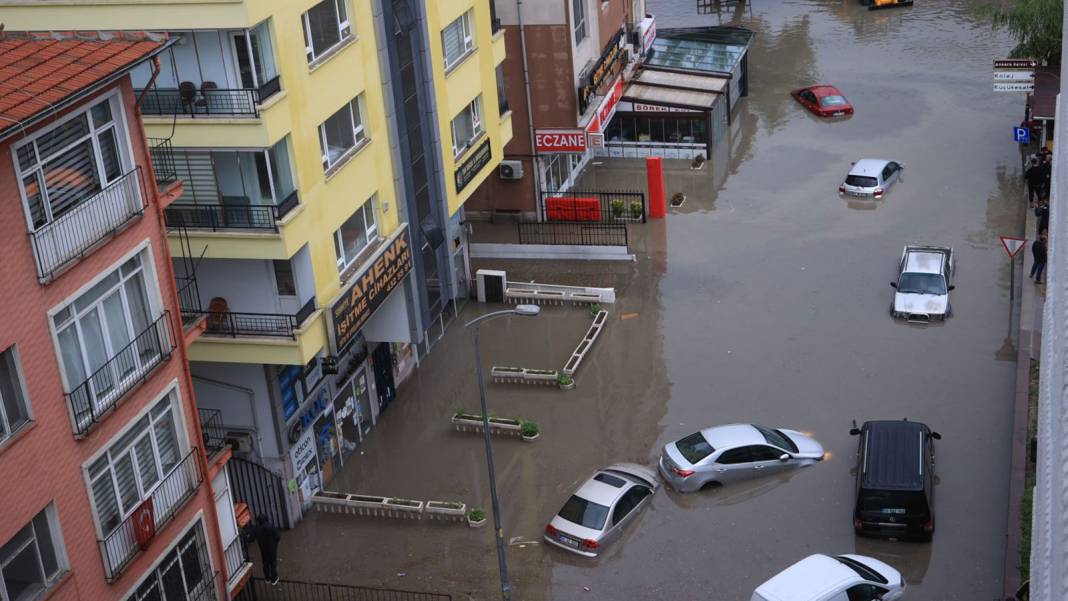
<point x="261" y="489"/>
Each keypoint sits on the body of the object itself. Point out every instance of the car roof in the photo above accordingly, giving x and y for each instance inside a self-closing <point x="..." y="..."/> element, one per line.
<point x="893" y="460"/>
<point x="601" y="492"/>
<point x="868" y="167"/>
<point x="732" y="435"/>
<point x="923" y="261"/>
<point x="824" y="90"/>
<point x="810" y="578"/>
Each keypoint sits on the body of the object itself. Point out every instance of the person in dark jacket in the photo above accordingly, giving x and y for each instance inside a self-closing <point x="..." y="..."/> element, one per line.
<point x="1042" y="213"/>
<point x="267" y="537"/>
<point x="1038" y="254"/>
<point x="1036" y="179"/>
<point x="1046" y="165"/>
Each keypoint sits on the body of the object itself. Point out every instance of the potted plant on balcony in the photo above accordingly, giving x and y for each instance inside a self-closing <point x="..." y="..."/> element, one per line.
<point x="476" y="518"/>
<point x="637" y="209"/>
<point x="565" y="382"/>
<point x="529" y="431"/>
<point x="617" y="205"/>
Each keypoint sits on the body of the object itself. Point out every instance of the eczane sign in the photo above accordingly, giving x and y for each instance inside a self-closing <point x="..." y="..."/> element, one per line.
<point x="548" y="141"/>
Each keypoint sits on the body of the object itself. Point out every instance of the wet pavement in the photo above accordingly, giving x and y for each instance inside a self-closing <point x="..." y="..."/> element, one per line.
<point x="762" y="299"/>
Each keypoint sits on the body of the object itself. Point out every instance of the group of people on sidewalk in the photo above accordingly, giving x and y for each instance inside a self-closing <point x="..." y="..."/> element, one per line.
<point x="1039" y="178"/>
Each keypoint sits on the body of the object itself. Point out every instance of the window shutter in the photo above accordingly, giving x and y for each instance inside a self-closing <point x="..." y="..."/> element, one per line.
<point x="452" y="43"/>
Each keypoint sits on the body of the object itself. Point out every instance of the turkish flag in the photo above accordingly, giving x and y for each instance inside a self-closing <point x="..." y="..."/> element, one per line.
<point x="144" y="523"/>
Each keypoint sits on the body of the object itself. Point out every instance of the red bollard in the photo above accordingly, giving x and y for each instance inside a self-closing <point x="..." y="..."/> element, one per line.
<point x="654" y="173"/>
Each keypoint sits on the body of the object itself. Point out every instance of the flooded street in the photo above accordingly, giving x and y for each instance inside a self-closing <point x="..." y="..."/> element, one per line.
<point x="763" y="298"/>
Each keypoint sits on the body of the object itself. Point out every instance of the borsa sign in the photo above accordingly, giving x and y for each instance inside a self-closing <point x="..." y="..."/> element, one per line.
<point x="560" y="140"/>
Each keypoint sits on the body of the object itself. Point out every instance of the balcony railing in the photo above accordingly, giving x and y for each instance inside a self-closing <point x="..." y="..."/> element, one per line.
<point x="122" y="544"/>
<point x="275" y="325"/>
<point x="72" y="234"/>
<point x="191" y="102"/>
<point x="235" y="559"/>
<point x="98" y="394"/>
<point x="216" y="217"/>
<point x="212" y="427"/>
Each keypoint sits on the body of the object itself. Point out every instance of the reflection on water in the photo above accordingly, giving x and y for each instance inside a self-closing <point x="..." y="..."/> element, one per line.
<point x="909" y="558"/>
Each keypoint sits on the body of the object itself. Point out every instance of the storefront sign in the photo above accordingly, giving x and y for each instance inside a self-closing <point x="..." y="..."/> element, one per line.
<point x="638" y="107"/>
<point x="648" y="31"/>
<point x="370" y="287"/>
<point x="303" y="452"/>
<point x="560" y="140"/>
<point x="474" y="163"/>
<point x="288" y="381"/>
<point x="605" y="67"/>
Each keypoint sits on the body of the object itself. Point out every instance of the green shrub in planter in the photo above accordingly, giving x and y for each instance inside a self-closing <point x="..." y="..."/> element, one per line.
<point x="564" y="380"/>
<point x="595" y="308"/>
<point x="477" y="514"/>
<point x="636" y="209"/>
<point x="617" y="206"/>
<point x="528" y="429"/>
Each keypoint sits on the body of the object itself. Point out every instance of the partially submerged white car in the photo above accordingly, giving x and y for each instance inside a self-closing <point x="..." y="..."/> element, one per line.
<point x="834" y="578"/>
<point x="925" y="277"/>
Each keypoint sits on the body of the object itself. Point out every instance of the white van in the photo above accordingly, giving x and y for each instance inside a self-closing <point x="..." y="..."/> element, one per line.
<point x="837" y="578"/>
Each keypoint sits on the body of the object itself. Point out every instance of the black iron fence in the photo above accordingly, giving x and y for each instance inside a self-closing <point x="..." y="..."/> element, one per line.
<point x="602" y="207"/>
<point x="189" y="299"/>
<point x="293" y="590"/>
<point x="234" y="324"/>
<point x="163" y="160"/>
<point x="261" y="489"/>
<point x="191" y="101"/>
<point x="70" y="235"/>
<point x="236" y="556"/>
<point x="123" y="543"/>
<point x="573" y="234"/>
<point x="212" y="427"/>
<point x="216" y="217"/>
<point x="102" y="390"/>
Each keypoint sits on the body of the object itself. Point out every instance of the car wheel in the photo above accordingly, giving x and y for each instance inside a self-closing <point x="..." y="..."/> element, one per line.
<point x="711" y="485"/>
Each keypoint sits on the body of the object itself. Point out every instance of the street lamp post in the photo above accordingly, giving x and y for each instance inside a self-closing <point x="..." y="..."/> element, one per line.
<point x="502" y="565"/>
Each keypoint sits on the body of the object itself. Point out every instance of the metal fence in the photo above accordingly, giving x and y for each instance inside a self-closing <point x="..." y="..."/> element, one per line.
<point x="234" y="324"/>
<point x="261" y="489"/>
<point x="206" y="100"/>
<point x="236" y="556"/>
<point x="620" y="206"/>
<point x="573" y="234"/>
<point x="68" y="236"/>
<point x="293" y="590"/>
<point x="163" y="160"/>
<point x="214" y="217"/>
<point x="212" y="427"/>
<point x="122" y="544"/>
<point x="102" y="390"/>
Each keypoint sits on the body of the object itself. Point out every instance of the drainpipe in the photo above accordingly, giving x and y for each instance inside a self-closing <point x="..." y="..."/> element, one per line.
<point x="151" y="80"/>
<point x="530" y="111"/>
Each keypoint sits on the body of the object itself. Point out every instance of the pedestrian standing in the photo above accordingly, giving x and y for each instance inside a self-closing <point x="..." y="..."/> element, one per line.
<point x="1042" y="214"/>
<point x="1035" y="180"/>
<point x="1038" y="255"/>
<point x="1047" y="175"/>
<point x="267" y="537"/>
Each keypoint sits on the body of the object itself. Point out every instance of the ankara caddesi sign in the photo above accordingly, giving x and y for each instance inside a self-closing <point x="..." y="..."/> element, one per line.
<point x="548" y="141"/>
<point x="370" y="287"/>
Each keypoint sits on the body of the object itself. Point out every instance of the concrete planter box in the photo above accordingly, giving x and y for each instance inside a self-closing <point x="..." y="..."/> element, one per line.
<point x="367" y="505"/>
<point x="404" y="505"/>
<point x="522" y="375"/>
<point x="445" y="510"/>
<point x="539" y="375"/>
<point x="498" y="425"/>
<point x="478" y="524"/>
<point x="586" y="343"/>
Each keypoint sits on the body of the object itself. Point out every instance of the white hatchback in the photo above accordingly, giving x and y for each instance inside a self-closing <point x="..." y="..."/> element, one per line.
<point x="871" y="178"/>
<point x="834" y="578"/>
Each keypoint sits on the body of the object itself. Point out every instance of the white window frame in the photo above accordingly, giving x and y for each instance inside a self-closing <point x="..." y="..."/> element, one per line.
<point x="122" y="143"/>
<point x="477" y="127"/>
<point x="171" y="397"/>
<point x="578" y="14"/>
<point x="19" y="382"/>
<point x="359" y="132"/>
<point x="344" y="29"/>
<point x="153" y="573"/>
<point x="370" y="231"/>
<point x="58" y="546"/>
<point x="463" y="22"/>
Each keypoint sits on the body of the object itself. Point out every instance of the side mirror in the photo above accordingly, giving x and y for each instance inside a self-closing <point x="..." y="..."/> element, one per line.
<point x="893" y="284"/>
<point x="854" y="431"/>
<point x="784" y="457"/>
<point x="951" y="287"/>
<point x="936" y="436"/>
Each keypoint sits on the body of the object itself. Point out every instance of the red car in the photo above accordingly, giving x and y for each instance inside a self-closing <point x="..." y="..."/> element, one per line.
<point x="823" y="101"/>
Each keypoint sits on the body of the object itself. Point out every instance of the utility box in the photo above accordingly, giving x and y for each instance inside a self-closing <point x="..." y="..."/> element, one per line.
<point x="490" y="284"/>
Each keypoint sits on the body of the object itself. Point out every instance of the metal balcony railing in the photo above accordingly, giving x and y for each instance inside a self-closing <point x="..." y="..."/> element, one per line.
<point x="121" y="545"/>
<point x="102" y="390"/>
<point x="191" y="102"/>
<point x="217" y="217"/>
<point x="71" y="235"/>
<point x="212" y="427"/>
<point x="234" y="325"/>
<point x="235" y="558"/>
<point x="163" y="160"/>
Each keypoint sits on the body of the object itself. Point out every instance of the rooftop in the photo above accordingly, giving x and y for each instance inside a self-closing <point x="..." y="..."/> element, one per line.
<point x="40" y="72"/>
<point x="701" y="49"/>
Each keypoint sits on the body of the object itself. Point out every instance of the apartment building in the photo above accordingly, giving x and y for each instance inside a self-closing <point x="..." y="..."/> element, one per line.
<point x="110" y="491"/>
<point x="326" y="150"/>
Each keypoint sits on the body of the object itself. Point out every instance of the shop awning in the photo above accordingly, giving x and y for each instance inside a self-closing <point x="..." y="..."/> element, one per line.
<point x="692" y="81"/>
<point x="1047" y="86"/>
<point x="687" y="99"/>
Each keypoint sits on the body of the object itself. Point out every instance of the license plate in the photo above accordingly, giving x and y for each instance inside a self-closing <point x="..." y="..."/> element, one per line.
<point x="851" y="193"/>
<point x="838" y="114"/>
<point x="894" y="510"/>
<point x="568" y="541"/>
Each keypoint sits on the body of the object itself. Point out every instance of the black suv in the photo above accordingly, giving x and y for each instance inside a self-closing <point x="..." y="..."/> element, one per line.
<point x="895" y="480"/>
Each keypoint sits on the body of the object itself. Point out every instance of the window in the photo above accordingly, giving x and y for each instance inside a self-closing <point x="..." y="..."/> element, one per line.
<point x="777" y="439"/>
<point x="14" y="409"/>
<point x="579" y="12"/>
<point x="457" y="40"/>
<point x="764" y="453"/>
<point x="354" y="236"/>
<point x="325" y="26"/>
<point x="184" y="574"/>
<point x="694" y="447"/>
<point x="584" y="513"/>
<point x="734" y="456"/>
<point x="99" y="340"/>
<point x="502" y="97"/>
<point x="70" y="163"/>
<point x="610" y="480"/>
<point x="342" y="132"/>
<point x="467" y="127"/>
<point x="865" y="592"/>
<point x="33" y="559"/>
<point x="631" y="499"/>
<point x="283" y="278"/>
<point x="134" y="465"/>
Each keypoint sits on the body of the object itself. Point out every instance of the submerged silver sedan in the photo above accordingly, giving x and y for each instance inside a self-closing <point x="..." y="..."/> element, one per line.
<point x="597" y="512"/>
<point x="723" y="454"/>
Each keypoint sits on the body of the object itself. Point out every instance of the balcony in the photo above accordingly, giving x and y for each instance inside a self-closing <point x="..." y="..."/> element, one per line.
<point x="98" y="394"/>
<point x="231" y="190"/>
<point x="123" y="544"/>
<point x="237" y="563"/>
<point x="163" y="161"/>
<point x="188" y="101"/>
<point x="240" y="325"/>
<point x="71" y="235"/>
<point x="214" y="432"/>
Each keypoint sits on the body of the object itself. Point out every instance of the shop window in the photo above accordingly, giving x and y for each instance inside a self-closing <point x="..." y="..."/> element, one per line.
<point x="33" y="559"/>
<point x="467" y="127"/>
<point x="342" y="132"/>
<point x="326" y="25"/>
<point x="643" y="129"/>
<point x="354" y="236"/>
<point x="630" y="129"/>
<point x="614" y="129"/>
<point x="700" y="132"/>
<point x="14" y="407"/>
<point x="457" y="40"/>
<point x="656" y="130"/>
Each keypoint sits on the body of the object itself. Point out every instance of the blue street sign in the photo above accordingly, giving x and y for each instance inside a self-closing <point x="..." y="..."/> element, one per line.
<point x="1021" y="135"/>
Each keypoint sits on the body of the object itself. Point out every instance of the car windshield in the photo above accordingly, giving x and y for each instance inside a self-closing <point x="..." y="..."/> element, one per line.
<point x="862" y="181"/>
<point x="694" y="447"/>
<point x="584" y="513"/>
<point x="922" y="283"/>
<point x="777" y="439"/>
<point x="862" y="570"/>
<point x="897" y="502"/>
<point x="832" y="101"/>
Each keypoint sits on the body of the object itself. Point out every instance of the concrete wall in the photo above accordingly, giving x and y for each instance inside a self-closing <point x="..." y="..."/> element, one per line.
<point x="535" y="12"/>
<point x="240" y="393"/>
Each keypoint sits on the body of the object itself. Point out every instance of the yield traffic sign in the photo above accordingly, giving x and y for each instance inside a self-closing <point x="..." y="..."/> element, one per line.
<point x="1013" y="245"/>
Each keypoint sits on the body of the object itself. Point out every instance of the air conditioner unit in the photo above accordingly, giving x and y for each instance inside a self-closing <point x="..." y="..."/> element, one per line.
<point x="240" y="442"/>
<point x="511" y="170"/>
